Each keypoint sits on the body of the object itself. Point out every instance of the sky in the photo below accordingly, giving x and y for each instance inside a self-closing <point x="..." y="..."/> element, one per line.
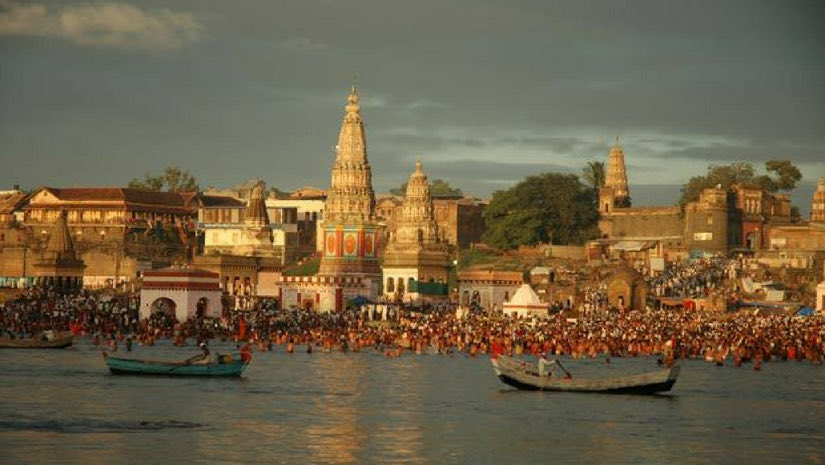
<point x="485" y="92"/>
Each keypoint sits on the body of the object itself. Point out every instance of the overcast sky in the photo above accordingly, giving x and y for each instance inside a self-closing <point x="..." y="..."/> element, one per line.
<point x="485" y="92"/>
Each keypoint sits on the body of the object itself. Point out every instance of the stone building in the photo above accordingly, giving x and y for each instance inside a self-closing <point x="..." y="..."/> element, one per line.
<point x="242" y="246"/>
<point x="351" y="236"/>
<point x="416" y="262"/>
<point x="627" y="290"/>
<point x="117" y="232"/>
<point x="719" y="221"/>
<point x="308" y="203"/>
<point x="755" y="211"/>
<point x="247" y="227"/>
<point x="706" y="223"/>
<point x="800" y="244"/>
<point x="459" y="219"/>
<point x="16" y="265"/>
<point x="488" y="289"/>
<point x="58" y="267"/>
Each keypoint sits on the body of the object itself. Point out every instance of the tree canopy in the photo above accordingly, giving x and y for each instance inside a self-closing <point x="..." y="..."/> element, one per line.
<point x="781" y="175"/>
<point x="438" y="188"/>
<point x="173" y="179"/>
<point x="593" y="174"/>
<point x="548" y="208"/>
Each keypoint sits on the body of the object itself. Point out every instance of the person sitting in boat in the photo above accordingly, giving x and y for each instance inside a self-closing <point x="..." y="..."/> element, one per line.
<point x="204" y="351"/>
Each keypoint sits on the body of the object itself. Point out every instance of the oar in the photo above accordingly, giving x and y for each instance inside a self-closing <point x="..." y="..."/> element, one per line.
<point x="562" y="368"/>
<point x="188" y="361"/>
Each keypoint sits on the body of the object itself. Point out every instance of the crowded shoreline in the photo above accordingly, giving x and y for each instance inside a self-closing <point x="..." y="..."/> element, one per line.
<point x="725" y="338"/>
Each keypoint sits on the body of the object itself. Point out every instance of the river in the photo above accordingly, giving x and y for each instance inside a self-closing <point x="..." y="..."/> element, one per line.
<point x="62" y="407"/>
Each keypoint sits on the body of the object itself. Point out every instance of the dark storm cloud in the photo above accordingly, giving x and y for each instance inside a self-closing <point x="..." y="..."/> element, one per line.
<point x="494" y="89"/>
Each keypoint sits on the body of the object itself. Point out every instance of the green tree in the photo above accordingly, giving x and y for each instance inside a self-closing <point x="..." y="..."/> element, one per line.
<point x="550" y="207"/>
<point x="786" y="175"/>
<point x="593" y="174"/>
<point x="438" y="188"/>
<point x="173" y="179"/>
<point x="781" y="175"/>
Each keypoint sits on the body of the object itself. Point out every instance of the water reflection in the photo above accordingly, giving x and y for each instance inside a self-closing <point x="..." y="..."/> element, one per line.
<point x="63" y="407"/>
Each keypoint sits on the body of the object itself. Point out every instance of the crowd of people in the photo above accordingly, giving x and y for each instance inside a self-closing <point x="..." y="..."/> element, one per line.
<point x="718" y="337"/>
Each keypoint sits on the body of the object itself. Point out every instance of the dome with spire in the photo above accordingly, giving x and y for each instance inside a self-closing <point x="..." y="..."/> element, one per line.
<point x="417" y="222"/>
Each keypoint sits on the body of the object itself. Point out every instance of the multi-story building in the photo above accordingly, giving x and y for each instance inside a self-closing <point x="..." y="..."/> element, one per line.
<point x="117" y="232"/>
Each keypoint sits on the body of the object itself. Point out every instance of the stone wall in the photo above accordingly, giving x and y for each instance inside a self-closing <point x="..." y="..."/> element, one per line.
<point x="642" y="222"/>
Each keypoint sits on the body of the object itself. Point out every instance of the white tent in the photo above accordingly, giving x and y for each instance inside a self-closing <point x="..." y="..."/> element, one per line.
<point x="526" y="303"/>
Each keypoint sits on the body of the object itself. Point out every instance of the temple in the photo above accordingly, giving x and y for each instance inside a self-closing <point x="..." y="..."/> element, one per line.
<point x="349" y="262"/>
<point x="416" y="262"/>
<point x="59" y="267"/>
<point x="350" y="233"/>
<point x="614" y="193"/>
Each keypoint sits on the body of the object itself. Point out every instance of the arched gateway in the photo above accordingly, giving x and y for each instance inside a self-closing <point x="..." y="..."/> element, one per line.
<point x="183" y="293"/>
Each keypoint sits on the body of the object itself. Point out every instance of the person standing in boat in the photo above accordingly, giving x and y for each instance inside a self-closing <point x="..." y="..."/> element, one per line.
<point x="543" y="364"/>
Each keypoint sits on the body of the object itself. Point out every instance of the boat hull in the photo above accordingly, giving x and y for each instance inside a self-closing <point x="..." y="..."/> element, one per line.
<point x="520" y="376"/>
<point x="58" y="343"/>
<point x="125" y="366"/>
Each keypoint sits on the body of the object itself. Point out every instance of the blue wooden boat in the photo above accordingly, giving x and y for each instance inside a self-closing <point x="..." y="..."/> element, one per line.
<point x="219" y="365"/>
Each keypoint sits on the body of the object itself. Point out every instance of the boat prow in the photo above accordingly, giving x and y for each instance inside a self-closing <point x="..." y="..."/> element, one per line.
<point x="522" y="375"/>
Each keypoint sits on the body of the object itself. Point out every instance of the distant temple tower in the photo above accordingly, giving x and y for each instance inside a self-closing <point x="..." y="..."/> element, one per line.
<point x="59" y="266"/>
<point x="350" y="232"/>
<point x="257" y="232"/>
<point x="614" y="193"/>
<point x="416" y="263"/>
<point x="818" y="203"/>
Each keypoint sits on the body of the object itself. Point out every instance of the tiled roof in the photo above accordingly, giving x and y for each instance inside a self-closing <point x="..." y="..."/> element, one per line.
<point x="10" y="203"/>
<point x="119" y="194"/>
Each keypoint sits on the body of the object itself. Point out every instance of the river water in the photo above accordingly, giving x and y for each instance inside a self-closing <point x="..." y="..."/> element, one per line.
<point x="62" y="407"/>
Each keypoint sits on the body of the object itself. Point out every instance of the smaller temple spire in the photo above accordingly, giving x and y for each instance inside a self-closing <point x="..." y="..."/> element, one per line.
<point x="256" y="215"/>
<point x="60" y="243"/>
<point x="818" y="203"/>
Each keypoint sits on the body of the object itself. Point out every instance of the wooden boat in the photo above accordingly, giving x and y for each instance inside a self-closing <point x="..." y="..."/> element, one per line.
<point x="523" y="375"/>
<point x="58" y="342"/>
<point x="220" y="365"/>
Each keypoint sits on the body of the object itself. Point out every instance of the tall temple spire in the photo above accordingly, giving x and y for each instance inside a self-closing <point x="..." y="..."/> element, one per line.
<point x="818" y="203"/>
<point x="616" y="174"/>
<point x="350" y="198"/>
<point x="351" y="237"/>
